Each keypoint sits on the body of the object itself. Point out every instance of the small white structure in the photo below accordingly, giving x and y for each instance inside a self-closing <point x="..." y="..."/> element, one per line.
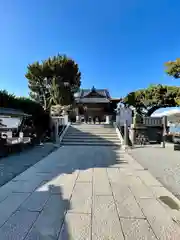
<point x="123" y="114"/>
<point x="107" y="120"/>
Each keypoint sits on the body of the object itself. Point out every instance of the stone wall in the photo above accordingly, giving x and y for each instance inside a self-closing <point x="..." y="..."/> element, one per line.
<point x="151" y="128"/>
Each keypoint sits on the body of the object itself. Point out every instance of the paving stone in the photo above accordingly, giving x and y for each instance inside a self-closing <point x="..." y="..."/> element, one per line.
<point x="41" y="175"/>
<point x="36" y="201"/>
<point x="50" y="219"/>
<point x="163" y="163"/>
<point x="76" y="227"/>
<point x="137" y="229"/>
<point x="136" y="166"/>
<point x="10" y="205"/>
<point x="114" y="175"/>
<point x="161" y="191"/>
<point x="24" y="186"/>
<point x="127" y="172"/>
<point x="46" y="176"/>
<point x="4" y="192"/>
<point x="125" y="201"/>
<point x="46" y="168"/>
<point x="139" y="189"/>
<point x="85" y="175"/>
<point x="26" y="175"/>
<point x="18" y="225"/>
<point x="15" y="164"/>
<point x="3" y="197"/>
<point x="57" y="176"/>
<point x="147" y="178"/>
<point x="81" y="200"/>
<point x="162" y="224"/>
<point x="105" y="223"/>
<point x="100" y="182"/>
<point x="64" y="182"/>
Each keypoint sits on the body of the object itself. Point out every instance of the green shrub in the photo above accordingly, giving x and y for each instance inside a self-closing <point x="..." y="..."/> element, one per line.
<point x="40" y="117"/>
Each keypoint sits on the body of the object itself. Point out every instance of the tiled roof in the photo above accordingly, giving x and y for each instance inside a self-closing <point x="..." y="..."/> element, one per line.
<point x="93" y="100"/>
<point x="84" y="92"/>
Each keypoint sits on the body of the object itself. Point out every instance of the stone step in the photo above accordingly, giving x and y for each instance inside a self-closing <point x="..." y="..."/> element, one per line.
<point x="95" y="133"/>
<point x="81" y="133"/>
<point x="91" y="137"/>
<point x="89" y="144"/>
<point x="92" y="127"/>
<point x="95" y="129"/>
<point x="91" y="140"/>
<point x="90" y="134"/>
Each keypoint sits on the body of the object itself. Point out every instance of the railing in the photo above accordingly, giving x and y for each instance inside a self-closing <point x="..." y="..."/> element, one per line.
<point x="152" y="121"/>
<point x="62" y="121"/>
<point x="121" y="130"/>
<point x="59" y="124"/>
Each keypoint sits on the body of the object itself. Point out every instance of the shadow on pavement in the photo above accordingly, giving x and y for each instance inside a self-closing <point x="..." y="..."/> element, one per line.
<point x="39" y="217"/>
<point x="15" y="164"/>
<point x="66" y="160"/>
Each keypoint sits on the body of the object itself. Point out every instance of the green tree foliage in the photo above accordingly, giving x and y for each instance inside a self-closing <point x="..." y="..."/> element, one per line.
<point x="173" y="68"/>
<point x="148" y="100"/>
<point x="40" y="117"/>
<point x="53" y="81"/>
<point x="24" y="104"/>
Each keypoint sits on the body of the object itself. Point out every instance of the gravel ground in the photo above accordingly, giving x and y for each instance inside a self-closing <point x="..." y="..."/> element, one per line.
<point x="164" y="164"/>
<point x="15" y="164"/>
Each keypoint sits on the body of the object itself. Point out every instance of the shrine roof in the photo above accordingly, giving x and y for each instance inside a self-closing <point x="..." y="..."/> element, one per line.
<point x="93" y="100"/>
<point x="99" y="95"/>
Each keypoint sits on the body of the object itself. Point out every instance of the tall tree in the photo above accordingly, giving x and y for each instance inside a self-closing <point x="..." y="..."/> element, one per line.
<point x="54" y="79"/>
<point x="148" y="100"/>
<point x="173" y="68"/>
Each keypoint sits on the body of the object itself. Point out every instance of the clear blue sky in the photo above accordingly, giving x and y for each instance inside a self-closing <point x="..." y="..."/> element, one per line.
<point x="120" y="45"/>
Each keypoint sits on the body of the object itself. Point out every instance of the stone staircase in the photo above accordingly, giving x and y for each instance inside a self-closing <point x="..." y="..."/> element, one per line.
<point x="91" y="135"/>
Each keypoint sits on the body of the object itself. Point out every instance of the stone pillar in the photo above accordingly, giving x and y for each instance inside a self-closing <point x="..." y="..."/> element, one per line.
<point x="21" y="135"/>
<point x="126" y="133"/>
<point x="164" y="131"/>
<point x="107" y="119"/>
<point x="117" y="119"/>
<point x="77" y="118"/>
<point x="132" y="134"/>
<point x="77" y="115"/>
<point x="66" y="119"/>
<point x="56" y="130"/>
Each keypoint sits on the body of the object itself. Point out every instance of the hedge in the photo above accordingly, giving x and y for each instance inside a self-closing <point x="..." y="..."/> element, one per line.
<point x="41" y="118"/>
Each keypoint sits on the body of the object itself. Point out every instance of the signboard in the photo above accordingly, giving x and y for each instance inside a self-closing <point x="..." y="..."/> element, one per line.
<point x="124" y="114"/>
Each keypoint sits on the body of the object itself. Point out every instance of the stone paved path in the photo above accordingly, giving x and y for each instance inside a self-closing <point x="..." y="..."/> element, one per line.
<point x="15" y="164"/>
<point x="86" y="193"/>
<point x="164" y="164"/>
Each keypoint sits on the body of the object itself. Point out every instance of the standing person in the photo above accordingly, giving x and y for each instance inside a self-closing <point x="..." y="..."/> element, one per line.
<point x="86" y="117"/>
